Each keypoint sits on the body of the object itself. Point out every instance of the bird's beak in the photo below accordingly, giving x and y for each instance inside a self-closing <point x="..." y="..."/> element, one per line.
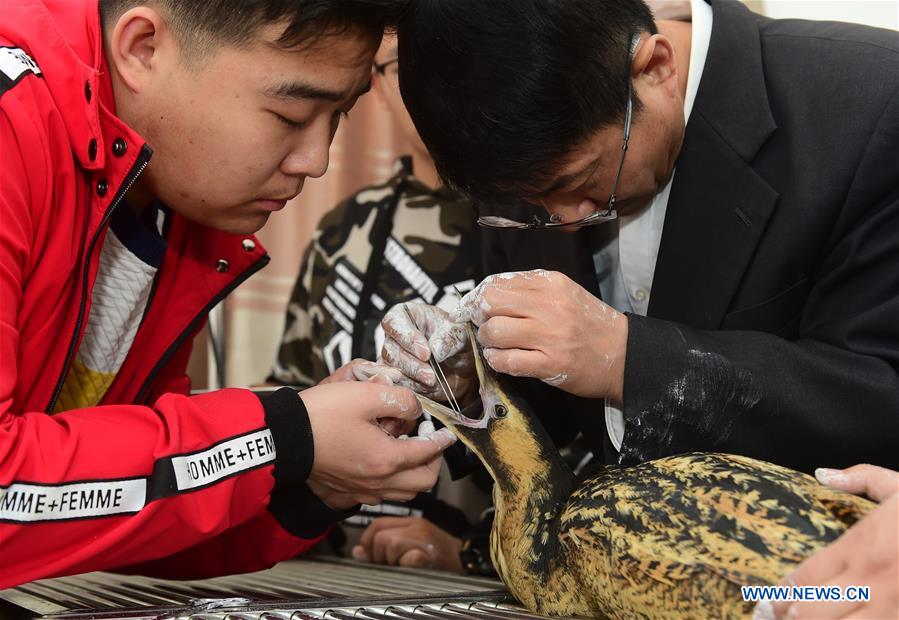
<point x="472" y="416"/>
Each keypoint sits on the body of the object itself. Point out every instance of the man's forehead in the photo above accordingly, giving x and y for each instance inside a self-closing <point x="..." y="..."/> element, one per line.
<point x="580" y="162"/>
<point x="332" y="68"/>
<point x="344" y="47"/>
<point x="315" y="36"/>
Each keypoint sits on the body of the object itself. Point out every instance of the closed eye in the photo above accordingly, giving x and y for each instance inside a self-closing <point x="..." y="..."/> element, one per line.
<point x="290" y="122"/>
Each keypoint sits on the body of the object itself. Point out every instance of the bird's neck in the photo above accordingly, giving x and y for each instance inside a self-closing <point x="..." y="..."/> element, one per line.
<point x="532" y="485"/>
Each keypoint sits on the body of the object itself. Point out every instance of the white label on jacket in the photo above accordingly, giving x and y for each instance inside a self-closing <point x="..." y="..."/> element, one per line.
<point x="33" y="502"/>
<point x="405" y="265"/>
<point x="14" y="62"/>
<point x="224" y="459"/>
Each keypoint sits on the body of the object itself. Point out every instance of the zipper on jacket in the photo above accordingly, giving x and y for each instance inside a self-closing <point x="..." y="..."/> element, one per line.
<point x="195" y="322"/>
<point x="143" y="159"/>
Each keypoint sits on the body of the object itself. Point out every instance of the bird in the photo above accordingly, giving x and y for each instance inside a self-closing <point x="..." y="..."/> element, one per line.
<point x="672" y="538"/>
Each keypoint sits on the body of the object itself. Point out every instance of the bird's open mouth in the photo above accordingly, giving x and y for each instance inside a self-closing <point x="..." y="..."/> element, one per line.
<point x="472" y="415"/>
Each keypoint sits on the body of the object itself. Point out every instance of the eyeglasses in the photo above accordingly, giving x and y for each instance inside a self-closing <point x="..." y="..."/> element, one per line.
<point x="555" y="221"/>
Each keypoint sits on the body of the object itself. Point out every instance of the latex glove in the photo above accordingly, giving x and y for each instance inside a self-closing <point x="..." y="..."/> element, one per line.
<point x="409" y="541"/>
<point x="406" y="348"/>
<point x="541" y="324"/>
<point x="866" y="555"/>
<point x="364" y="370"/>
<point x="356" y="460"/>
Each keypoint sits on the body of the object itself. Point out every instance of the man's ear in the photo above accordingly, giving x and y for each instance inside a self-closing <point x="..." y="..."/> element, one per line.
<point x="654" y="61"/>
<point x="140" y="42"/>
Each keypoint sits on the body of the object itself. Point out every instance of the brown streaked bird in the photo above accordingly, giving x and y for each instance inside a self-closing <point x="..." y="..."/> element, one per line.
<point x="671" y="538"/>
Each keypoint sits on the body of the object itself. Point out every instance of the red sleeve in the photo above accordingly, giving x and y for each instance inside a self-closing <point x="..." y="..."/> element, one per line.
<point x="109" y="486"/>
<point x="97" y="488"/>
<point x="255" y="545"/>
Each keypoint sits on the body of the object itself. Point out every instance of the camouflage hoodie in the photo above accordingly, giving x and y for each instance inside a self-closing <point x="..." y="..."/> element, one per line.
<point x="399" y="241"/>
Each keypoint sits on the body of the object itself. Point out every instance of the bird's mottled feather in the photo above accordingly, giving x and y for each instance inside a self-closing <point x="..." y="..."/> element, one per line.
<point x="687" y="531"/>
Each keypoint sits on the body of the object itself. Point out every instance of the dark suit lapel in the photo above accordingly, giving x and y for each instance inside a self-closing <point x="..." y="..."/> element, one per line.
<point x="718" y="206"/>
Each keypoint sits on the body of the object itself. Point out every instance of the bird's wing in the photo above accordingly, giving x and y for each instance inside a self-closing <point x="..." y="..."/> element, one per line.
<point x="673" y="519"/>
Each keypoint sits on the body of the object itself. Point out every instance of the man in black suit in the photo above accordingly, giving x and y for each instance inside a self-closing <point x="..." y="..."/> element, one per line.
<point x="751" y="278"/>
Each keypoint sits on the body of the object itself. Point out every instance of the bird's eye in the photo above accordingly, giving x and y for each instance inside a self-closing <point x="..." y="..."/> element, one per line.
<point x="500" y="410"/>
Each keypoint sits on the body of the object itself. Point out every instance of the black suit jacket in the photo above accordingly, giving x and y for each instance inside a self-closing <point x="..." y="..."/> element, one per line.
<point x="773" y="324"/>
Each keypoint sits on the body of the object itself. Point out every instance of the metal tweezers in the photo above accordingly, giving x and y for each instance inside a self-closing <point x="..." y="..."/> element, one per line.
<point x="438" y="372"/>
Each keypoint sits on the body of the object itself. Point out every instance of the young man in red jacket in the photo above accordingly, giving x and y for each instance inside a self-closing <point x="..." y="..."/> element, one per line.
<point x="142" y="143"/>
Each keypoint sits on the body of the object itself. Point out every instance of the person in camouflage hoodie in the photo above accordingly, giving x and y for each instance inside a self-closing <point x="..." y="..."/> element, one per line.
<point x="401" y="241"/>
<point x="405" y="240"/>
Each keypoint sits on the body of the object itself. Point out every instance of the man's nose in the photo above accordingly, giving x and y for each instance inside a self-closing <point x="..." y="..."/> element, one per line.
<point x="560" y="203"/>
<point x="569" y="206"/>
<point x="309" y="157"/>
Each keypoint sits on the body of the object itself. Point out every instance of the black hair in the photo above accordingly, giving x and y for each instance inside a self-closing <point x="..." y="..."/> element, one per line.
<point x="501" y="90"/>
<point x="200" y="23"/>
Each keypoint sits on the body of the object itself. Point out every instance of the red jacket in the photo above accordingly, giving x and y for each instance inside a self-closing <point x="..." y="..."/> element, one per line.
<point x="188" y="486"/>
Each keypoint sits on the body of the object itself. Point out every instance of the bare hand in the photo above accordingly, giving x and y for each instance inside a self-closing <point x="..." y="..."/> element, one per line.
<point x="877" y="483"/>
<point x="866" y="555"/>
<point x="356" y="460"/>
<point x="541" y="324"/>
<point x="406" y="348"/>
<point x="409" y="541"/>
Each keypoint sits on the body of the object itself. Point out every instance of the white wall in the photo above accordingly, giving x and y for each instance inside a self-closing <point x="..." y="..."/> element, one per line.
<point x="880" y="13"/>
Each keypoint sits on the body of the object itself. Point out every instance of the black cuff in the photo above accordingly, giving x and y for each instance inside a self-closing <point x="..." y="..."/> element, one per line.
<point x="292" y="504"/>
<point x="303" y="514"/>
<point x="656" y="353"/>
<point x="287" y="419"/>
